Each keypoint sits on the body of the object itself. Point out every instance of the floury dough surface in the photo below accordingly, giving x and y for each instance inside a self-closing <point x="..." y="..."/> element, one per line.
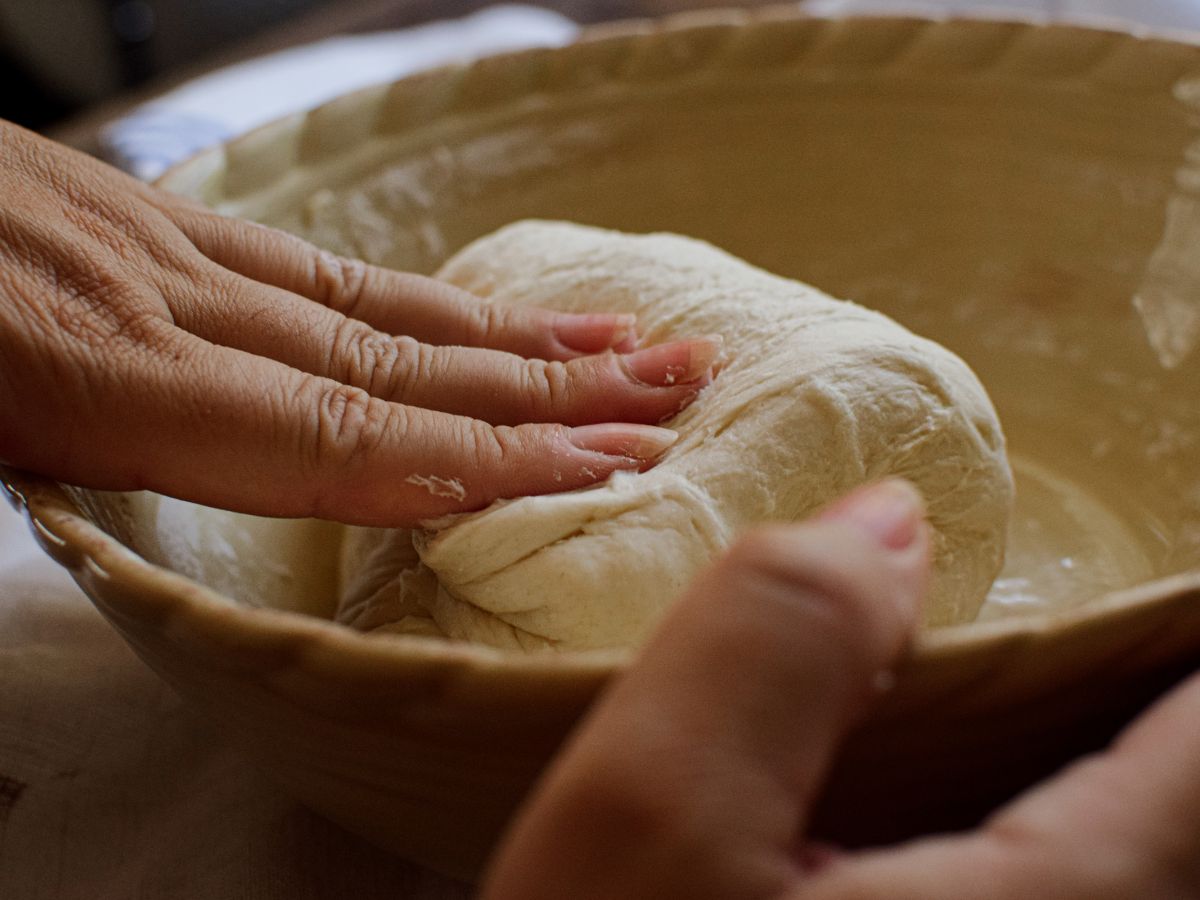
<point x="815" y="397"/>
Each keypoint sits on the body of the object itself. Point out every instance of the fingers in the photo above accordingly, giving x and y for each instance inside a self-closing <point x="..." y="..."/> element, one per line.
<point x="1130" y="816"/>
<point x="502" y="388"/>
<point x="229" y="429"/>
<point x="399" y="303"/>
<point x="1122" y="824"/>
<point x="104" y="386"/>
<point x="1157" y="761"/>
<point x="693" y="775"/>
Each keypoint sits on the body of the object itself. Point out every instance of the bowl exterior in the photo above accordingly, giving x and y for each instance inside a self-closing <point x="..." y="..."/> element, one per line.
<point x="427" y="749"/>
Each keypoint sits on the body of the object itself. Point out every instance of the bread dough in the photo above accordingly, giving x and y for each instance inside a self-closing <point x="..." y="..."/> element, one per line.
<point x="815" y="396"/>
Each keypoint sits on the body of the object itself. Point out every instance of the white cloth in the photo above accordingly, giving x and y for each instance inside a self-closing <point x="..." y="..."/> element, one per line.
<point x="109" y="787"/>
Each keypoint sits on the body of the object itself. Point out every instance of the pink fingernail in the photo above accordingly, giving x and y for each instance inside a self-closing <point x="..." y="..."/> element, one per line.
<point x="597" y="332"/>
<point x="891" y="511"/>
<point x="644" y="442"/>
<point x="678" y="362"/>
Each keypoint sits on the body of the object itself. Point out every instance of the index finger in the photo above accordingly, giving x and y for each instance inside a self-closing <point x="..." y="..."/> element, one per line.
<point x="399" y="302"/>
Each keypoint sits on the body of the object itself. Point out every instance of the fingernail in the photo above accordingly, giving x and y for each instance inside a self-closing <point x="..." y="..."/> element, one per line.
<point x="643" y="442"/>
<point x="678" y="362"/>
<point x="891" y="511"/>
<point x="597" y="332"/>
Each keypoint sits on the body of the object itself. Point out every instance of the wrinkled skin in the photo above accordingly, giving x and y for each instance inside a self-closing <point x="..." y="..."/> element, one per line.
<point x="146" y="342"/>
<point x="693" y="776"/>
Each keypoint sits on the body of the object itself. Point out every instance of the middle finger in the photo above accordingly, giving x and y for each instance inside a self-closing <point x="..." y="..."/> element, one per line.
<point x="647" y="386"/>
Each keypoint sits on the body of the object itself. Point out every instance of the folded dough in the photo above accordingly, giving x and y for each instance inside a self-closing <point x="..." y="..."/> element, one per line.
<point x="815" y="397"/>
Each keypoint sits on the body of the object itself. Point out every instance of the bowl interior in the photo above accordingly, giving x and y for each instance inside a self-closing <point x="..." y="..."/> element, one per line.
<point x="1025" y="196"/>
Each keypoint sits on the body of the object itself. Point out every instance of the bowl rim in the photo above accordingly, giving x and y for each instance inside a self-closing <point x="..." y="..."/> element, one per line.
<point x="148" y="590"/>
<point x="249" y="150"/>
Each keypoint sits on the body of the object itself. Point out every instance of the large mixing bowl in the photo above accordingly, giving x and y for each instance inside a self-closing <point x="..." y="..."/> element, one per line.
<point x="1027" y="195"/>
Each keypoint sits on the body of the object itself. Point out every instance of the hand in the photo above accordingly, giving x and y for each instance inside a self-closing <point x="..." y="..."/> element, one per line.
<point x="693" y="776"/>
<point x="146" y="342"/>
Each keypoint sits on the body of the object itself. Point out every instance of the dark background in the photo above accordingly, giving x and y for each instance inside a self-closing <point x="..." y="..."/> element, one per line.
<point x="45" y="77"/>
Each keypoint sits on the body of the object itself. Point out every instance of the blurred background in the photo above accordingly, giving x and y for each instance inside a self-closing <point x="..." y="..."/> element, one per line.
<point x="70" y="68"/>
<point x="59" y="57"/>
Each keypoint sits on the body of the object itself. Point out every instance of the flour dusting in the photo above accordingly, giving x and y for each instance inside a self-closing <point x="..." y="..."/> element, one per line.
<point x="440" y="487"/>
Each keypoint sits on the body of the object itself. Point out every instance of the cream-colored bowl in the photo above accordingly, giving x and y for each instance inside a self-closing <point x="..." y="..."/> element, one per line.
<point x="1026" y="195"/>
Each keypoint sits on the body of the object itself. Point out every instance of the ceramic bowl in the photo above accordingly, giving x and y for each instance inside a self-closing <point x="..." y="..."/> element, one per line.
<point x="1028" y="195"/>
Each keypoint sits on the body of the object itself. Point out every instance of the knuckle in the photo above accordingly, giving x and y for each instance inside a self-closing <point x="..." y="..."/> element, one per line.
<point x="508" y="459"/>
<point x="204" y="228"/>
<point x="486" y="322"/>
<point x="548" y="386"/>
<point x="150" y="332"/>
<point x="491" y="447"/>
<point x="106" y="313"/>
<point x="87" y="299"/>
<point x="408" y="365"/>
<point x="802" y="581"/>
<point x="351" y="425"/>
<point x="339" y="282"/>
<point x="378" y="363"/>
<point x="88" y="313"/>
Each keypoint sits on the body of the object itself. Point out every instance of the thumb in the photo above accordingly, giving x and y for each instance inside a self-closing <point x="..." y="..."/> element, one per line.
<point x="694" y="774"/>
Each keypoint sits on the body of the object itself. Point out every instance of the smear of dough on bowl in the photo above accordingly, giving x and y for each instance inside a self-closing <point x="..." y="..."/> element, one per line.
<point x="815" y="397"/>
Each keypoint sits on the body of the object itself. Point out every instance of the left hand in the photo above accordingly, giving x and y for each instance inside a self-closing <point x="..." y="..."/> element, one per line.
<point x="694" y="775"/>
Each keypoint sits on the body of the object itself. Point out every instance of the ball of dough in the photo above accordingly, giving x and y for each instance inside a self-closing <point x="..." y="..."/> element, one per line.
<point x="815" y="397"/>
